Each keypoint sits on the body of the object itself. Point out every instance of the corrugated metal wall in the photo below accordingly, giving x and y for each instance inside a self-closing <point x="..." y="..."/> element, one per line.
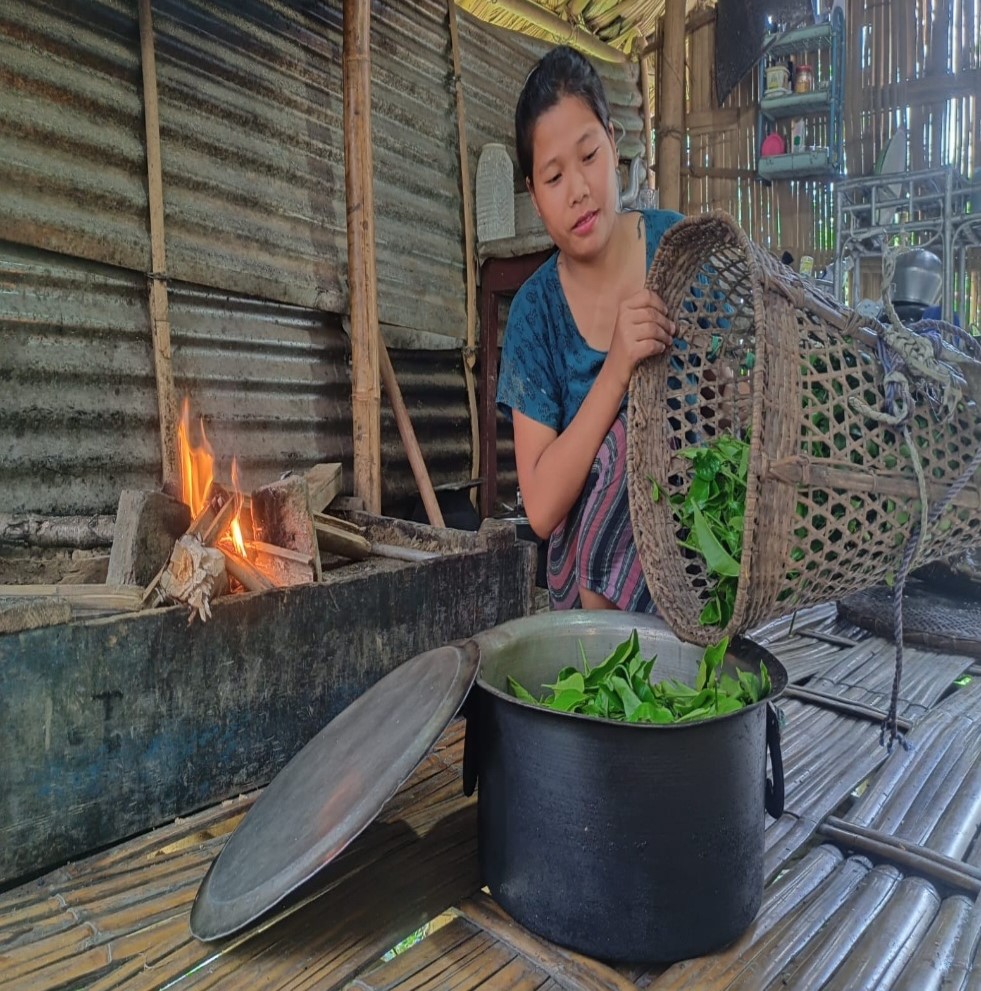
<point x="252" y="149"/>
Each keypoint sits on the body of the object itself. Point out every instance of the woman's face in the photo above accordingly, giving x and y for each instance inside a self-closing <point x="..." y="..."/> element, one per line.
<point x="574" y="183"/>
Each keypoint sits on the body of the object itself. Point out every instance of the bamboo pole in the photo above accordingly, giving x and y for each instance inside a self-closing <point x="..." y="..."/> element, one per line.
<point x="645" y="96"/>
<point x="159" y="314"/>
<point x="564" y="32"/>
<point x="412" y="450"/>
<point x="671" y="112"/>
<point x="470" y="351"/>
<point x="362" y="273"/>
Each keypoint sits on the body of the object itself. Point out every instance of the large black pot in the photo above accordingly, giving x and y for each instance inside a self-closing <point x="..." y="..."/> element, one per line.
<point x="632" y="843"/>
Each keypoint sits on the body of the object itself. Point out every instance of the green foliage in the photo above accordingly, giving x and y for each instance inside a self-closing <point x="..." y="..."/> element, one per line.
<point x="620" y="688"/>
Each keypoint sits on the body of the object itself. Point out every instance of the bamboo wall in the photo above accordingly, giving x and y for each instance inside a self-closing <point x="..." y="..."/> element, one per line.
<point x="916" y="54"/>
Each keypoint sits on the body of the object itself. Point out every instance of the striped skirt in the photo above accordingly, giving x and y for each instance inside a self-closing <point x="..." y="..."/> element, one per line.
<point x="594" y="547"/>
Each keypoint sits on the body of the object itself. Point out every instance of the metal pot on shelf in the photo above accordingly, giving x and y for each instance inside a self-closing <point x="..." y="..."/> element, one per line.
<point x="919" y="278"/>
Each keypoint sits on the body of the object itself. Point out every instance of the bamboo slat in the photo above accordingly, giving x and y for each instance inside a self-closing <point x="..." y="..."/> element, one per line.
<point x="159" y="312"/>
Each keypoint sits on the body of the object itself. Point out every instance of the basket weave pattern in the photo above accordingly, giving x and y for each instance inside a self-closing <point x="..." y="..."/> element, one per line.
<point x="832" y="496"/>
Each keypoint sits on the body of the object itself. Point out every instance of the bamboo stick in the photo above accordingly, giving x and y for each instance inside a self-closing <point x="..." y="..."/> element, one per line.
<point x="159" y="315"/>
<point x="563" y="31"/>
<point x="245" y="572"/>
<point x="402" y="553"/>
<point x="412" y="450"/>
<point x="362" y="272"/>
<point x="645" y="97"/>
<point x="916" y="858"/>
<point x="672" y="110"/>
<point x="469" y="247"/>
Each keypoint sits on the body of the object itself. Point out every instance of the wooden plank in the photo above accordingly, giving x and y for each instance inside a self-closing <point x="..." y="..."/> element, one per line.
<point x="30" y="613"/>
<point x="106" y="598"/>
<point x="324" y="483"/>
<point x="115" y="726"/>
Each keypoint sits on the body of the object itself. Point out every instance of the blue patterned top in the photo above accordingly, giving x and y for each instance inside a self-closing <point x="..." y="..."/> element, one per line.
<point x="547" y="368"/>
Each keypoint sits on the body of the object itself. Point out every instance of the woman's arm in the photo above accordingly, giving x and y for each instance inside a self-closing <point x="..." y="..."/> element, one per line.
<point x="553" y="467"/>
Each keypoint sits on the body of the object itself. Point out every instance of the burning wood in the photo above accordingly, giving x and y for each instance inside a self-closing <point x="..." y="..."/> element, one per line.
<point x="194" y="575"/>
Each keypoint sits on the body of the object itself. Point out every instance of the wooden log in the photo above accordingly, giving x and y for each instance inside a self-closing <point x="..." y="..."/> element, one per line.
<point x="412" y="450"/>
<point x="324" y="483"/>
<point x="147" y="525"/>
<point x="362" y="272"/>
<point x="281" y="516"/>
<point x="246" y="573"/>
<point x="340" y="541"/>
<point x="82" y="532"/>
<point x="159" y="316"/>
<point x="672" y="102"/>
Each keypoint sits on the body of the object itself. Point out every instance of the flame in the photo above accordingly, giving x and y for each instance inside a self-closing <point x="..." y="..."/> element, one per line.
<point x="235" y="527"/>
<point x="197" y="463"/>
<point x="197" y="472"/>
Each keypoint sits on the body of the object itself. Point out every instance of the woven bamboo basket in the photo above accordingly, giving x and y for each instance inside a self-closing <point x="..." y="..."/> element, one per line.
<point x="831" y="495"/>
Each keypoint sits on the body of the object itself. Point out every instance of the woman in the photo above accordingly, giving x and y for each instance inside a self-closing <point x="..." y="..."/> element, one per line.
<point x="575" y="332"/>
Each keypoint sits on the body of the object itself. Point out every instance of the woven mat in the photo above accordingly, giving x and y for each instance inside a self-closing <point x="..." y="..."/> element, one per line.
<point x="932" y="619"/>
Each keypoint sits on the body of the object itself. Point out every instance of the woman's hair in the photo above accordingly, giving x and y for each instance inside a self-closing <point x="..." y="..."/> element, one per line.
<point x="562" y="72"/>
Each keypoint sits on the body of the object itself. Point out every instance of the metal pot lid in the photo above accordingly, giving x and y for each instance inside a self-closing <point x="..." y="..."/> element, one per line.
<point x="332" y="789"/>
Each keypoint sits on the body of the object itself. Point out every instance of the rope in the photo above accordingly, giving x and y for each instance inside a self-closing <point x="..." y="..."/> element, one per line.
<point x="905" y="355"/>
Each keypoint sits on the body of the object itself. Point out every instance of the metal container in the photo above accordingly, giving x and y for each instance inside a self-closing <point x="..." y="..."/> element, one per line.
<point x="919" y="278"/>
<point x="626" y="842"/>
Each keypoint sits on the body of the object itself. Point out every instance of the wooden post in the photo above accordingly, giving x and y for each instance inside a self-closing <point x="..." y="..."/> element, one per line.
<point x="645" y="98"/>
<point x="159" y="315"/>
<point x="362" y="274"/>
<point x="671" y="129"/>
<point x="409" y="441"/>
<point x="469" y="241"/>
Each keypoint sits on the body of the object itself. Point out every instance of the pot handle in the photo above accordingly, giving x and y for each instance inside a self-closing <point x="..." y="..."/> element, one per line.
<point x="773" y="795"/>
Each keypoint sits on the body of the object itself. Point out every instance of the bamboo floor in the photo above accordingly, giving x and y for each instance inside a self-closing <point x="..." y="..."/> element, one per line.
<point x="872" y="874"/>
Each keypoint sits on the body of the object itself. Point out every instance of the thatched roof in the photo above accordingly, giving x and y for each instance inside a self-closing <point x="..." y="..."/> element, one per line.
<point x="624" y="25"/>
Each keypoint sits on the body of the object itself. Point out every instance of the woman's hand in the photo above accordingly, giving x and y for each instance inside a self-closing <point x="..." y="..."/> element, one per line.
<point x="642" y="330"/>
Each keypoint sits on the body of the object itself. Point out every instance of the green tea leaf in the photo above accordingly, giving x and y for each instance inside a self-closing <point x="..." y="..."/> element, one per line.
<point x="520" y="693"/>
<point x="718" y="559"/>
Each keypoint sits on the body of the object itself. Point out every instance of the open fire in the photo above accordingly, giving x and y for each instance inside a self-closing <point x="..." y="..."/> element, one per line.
<point x="241" y="541"/>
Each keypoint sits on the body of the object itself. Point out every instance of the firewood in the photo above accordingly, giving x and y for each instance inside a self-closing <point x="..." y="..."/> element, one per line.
<point x="337" y="540"/>
<point x="194" y="575"/>
<point x="324" y="482"/>
<point x="147" y="524"/>
<point x="86" y="532"/>
<point x="115" y="598"/>
<point x="337" y="522"/>
<point x="246" y="573"/>
<point x="281" y="516"/>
